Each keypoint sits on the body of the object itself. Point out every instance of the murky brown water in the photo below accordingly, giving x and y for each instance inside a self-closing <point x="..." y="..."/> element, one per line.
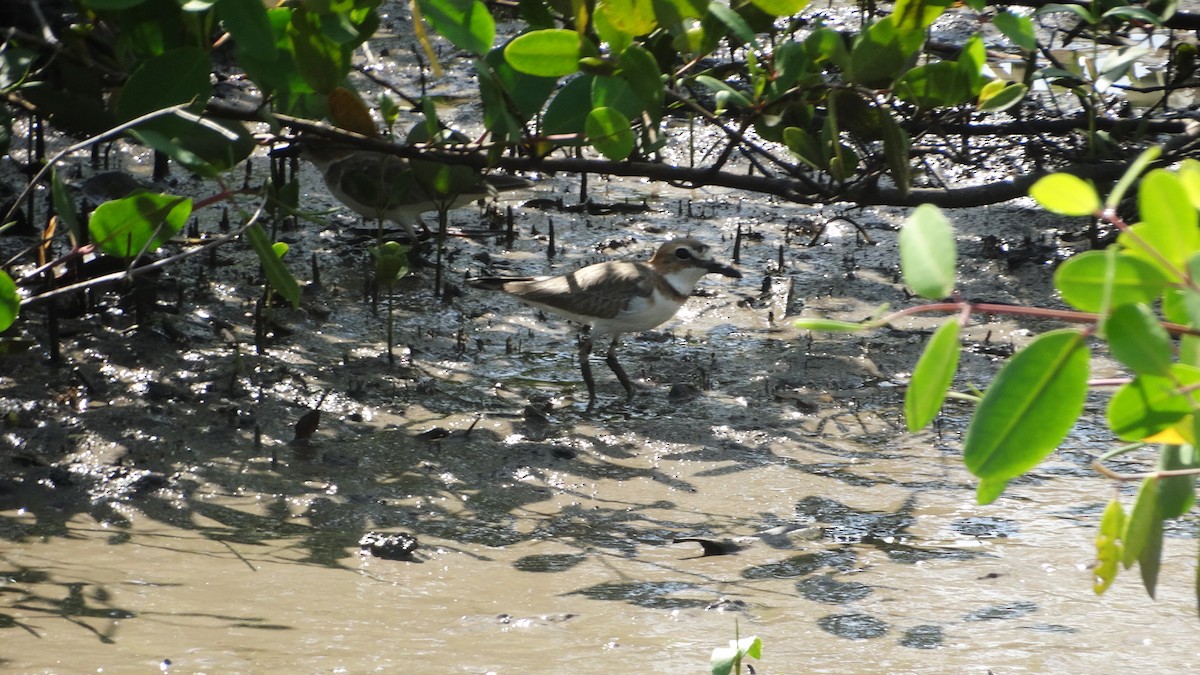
<point x="552" y="556"/>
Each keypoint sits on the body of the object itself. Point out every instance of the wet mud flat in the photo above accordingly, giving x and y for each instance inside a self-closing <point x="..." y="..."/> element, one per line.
<point x="146" y="524"/>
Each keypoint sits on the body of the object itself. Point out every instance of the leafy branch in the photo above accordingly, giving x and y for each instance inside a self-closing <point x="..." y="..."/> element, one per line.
<point x="1037" y="396"/>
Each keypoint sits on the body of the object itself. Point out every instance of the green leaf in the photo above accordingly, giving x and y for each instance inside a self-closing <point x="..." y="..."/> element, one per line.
<point x="937" y="84"/>
<point x="174" y="77"/>
<point x="1116" y="64"/>
<point x="723" y="659"/>
<point x="466" y="23"/>
<point x="505" y="91"/>
<point x="896" y="147"/>
<point x="1143" y="533"/>
<point x="1094" y="281"/>
<point x="750" y="646"/>
<point x="972" y="59"/>
<point x="276" y="272"/>
<point x="64" y="206"/>
<point x="1163" y="9"/>
<point x="738" y="98"/>
<point x="1150" y="404"/>
<point x="640" y="70"/>
<point x="609" y="131"/>
<point x="1029" y="408"/>
<point x="882" y="52"/>
<point x="1189" y="176"/>
<point x="10" y="302"/>
<point x="1189" y="350"/>
<point x="932" y="377"/>
<point x="277" y="74"/>
<point x="1150" y="561"/>
<point x="137" y="224"/>
<point x="632" y="18"/>
<point x="781" y="7"/>
<point x="1138" y="340"/>
<point x="1177" y="494"/>
<point x="615" y="38"/>
<point x="1136" y="168"/>
<point x="1109" y="549"/>
<point x="1003" y="97"/>
<point x="808" y="149"/>
<point x="917" y="15"/>
<point x="990" y="489"/>
<point x="321" y="45"/>
<point x="842" y="162"/>
<point x="568" y="110"/>
<point x="618" y="94"/>
<point x="829" y="325"/>
<point x="927" y="253"/>
<point x="792" y="64"/>
<point x="204" y="146"/>
<point x="391" y="262"/>
<point x="1169" y="224"/>
<point x="732" y="20"/>
<point x="1139" y="526"/>
<point x="1132" y="14"/>
<point x="1080" y="11"/>
<point x="551" y="52"/>
<point x="250" y="27"/>
<point x="1066" y="195"/>
<point x="1018" y="29"/>
<point x="826" y="44"/>
<point x="1163" y="198"/>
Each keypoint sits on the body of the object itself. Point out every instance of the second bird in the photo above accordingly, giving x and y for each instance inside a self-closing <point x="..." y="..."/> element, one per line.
<point x="385" y="187"/>
<point x="617" y="297"/>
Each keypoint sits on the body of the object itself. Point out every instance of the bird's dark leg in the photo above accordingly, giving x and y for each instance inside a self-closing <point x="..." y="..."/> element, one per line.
<point x="585" y="351"/>
<point x="424" y="228"/>
<point x="616" y="368"/>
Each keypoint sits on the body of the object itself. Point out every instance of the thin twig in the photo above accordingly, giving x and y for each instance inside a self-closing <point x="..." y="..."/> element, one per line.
<point x="1017" y="310"/>
<point x="136" y="271"/>
<point x="1163" y="473"/>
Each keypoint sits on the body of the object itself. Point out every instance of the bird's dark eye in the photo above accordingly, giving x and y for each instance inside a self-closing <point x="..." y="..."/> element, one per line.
<point x="683" y="253"/>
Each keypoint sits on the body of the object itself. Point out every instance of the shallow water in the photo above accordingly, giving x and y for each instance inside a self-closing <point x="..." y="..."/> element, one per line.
<point x="531" y="560"/>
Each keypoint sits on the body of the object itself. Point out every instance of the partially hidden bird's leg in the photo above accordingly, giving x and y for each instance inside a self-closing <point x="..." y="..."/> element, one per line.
<point x="616" y="368"/>
<point x="585" y="351"/>
<point x="442" y="209"/>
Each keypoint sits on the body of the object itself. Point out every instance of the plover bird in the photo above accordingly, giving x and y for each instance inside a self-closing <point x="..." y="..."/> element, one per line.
<point x="386" y="187"/>
<point x="611" y="298"/>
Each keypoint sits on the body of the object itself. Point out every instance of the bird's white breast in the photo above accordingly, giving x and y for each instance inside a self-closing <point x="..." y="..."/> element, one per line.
<point x="640" y="314"/>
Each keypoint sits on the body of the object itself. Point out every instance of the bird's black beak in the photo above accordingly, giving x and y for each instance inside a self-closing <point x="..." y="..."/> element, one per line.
<point x="724" y="270"/>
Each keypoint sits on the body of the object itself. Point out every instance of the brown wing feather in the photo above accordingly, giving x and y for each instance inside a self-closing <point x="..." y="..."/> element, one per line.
<point x="597" y="290"/>
<point x="378" y="181"/>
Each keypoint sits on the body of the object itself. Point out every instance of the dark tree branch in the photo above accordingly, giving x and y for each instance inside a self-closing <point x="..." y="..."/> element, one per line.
<point x="798" y="190"/>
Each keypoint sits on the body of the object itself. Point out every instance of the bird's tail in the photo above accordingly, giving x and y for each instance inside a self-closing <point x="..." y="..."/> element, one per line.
<point x="500" y="182"/>
<point x="493" y="283"/>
